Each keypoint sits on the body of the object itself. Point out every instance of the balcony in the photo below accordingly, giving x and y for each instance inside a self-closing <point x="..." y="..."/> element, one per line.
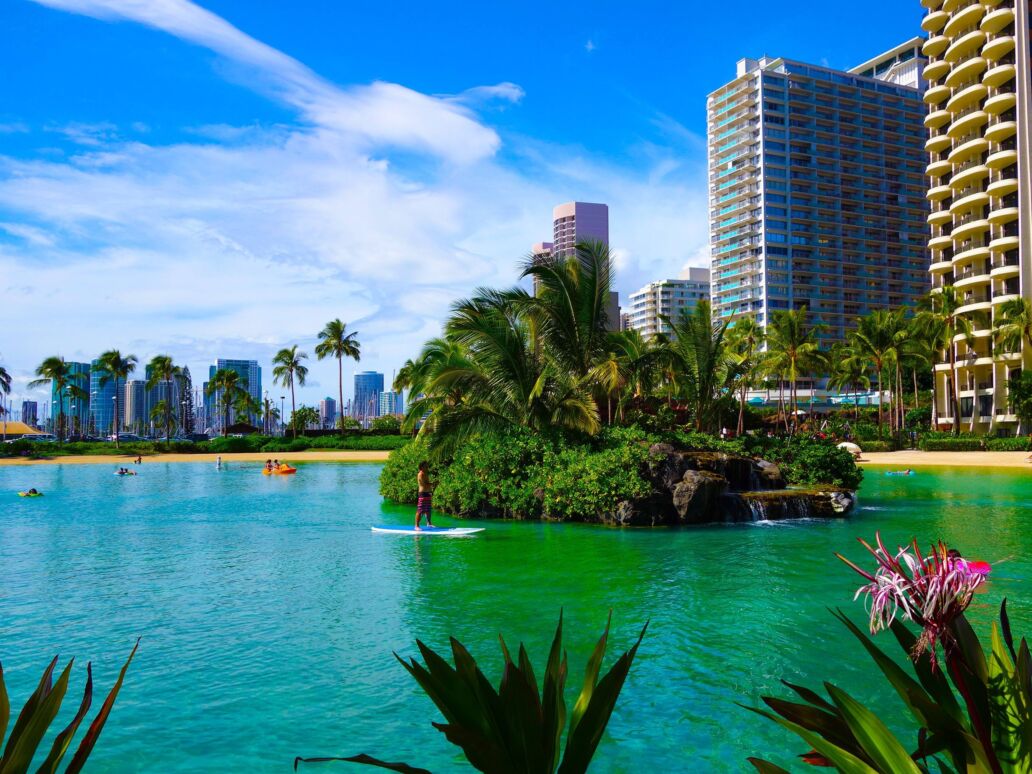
<point x="940" y="242"/>
<point x="977" y="198"/>
<point x="938" y="168"/>
<point x="935" y="45"/>
<point x="938" y="193"/>
<point x="936" y="94"/>
<point x="940" y="217"/>
<point x="1002" y="184"/>
<point x="934" y="21"/>
<point x="994" y="21"/>
<point x="999" y="75"/>
<point x="969" y="95"/>
<point x="968" y="174"/>
<point x="1003" y="215"/>
<point x="964" y="46"/>
<point x="971" y="229"/>
<point x="937" y="118"/>
<point x="968" y="17"/>
<point x="966" y="252"/>
<point x="998" y="131"/>
<point x="968" y="146"/>
<point x="999" y="102"/>
<point x="997" y="48"/>
<point x="966" y="123"/>
<point x="937" y="143"/>
<point x="968" y="70"/>
<point x="936" y="69"/>
<point x="1001" y="159"/>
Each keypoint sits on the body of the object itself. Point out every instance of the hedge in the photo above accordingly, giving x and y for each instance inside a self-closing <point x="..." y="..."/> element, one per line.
<point x="1009" y="444"/>
<point x="959" y="443"/>
<point x="879" y="446"/>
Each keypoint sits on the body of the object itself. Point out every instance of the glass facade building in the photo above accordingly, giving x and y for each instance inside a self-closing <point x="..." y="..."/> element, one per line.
<point x="77" y="412"/>
<point x="251" y="379"/>
<point x="816" y="189"/>
<point x="368" y="388"/>
<point x="391" y="403"/>
<point x="102" y="402"/>
<point x="979" y="144"/>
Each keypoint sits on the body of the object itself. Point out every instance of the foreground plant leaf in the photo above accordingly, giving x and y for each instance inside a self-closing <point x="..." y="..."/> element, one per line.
<point x="517" y="727"/>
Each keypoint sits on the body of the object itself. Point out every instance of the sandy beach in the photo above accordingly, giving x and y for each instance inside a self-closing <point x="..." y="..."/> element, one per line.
<point x="921" y="459"/>
<point x="254" y="457"/>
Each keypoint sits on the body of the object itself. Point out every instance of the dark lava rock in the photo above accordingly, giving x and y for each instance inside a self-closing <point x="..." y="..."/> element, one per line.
<point x="697" y="496"/>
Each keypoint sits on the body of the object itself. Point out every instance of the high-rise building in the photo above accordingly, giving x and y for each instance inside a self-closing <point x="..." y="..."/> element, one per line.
<point x="368" y="387"/>
<point x="980" y="186"/>
<point x="391" y="403"/>
<point x="666" y="298"/>
<point x="135" y="409"/>
<point x="250" y="379"/>
<point x="576" y="222"/>
<point x="30" y="413"/>
<point x="76" y="410"/>
<point x="327" y="412"/>
<point x="816" y="189"/>
<point x="186" y="401"/>
<point x="102" y="401"/>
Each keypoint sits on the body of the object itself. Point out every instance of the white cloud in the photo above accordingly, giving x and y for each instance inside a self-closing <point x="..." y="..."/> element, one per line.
<point x="243" y="239"/>
<point x="589" y="46"/>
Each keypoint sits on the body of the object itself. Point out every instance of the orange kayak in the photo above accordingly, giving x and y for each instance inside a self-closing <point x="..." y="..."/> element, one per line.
<point x="282" y="470"/>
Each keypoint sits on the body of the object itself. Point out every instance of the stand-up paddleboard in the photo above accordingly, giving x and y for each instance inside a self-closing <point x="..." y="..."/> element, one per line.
<point x="445" y="531"/>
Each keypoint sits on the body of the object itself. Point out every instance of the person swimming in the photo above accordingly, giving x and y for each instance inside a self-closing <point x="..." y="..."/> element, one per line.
<point x="33" y="492"/>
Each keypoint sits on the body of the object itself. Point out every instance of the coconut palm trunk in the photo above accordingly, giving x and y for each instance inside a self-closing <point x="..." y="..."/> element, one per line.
<point x="293" y="408"/>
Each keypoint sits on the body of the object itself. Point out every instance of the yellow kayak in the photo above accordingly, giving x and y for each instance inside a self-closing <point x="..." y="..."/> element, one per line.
<point x="30" y="494"/>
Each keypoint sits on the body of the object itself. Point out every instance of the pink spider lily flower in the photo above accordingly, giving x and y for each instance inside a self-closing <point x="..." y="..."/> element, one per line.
<point x="931" y="591"/>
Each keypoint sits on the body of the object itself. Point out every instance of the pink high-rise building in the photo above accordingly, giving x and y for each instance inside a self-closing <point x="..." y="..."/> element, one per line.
<point x="575" y="222"/>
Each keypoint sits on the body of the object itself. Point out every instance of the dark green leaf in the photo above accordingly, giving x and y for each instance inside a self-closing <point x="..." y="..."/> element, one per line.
<point x="766" y="767"/>
<point x="28" y="710"/>
<point x="64" y="739"/>
<point x="18" y="760"/>
<point x="590" y="677"/>
<point x="93" y="733"/>
<point x="874" y="737"/>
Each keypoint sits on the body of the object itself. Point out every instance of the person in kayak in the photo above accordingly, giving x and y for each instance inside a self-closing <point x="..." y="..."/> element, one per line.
<point x="424" y="497"/>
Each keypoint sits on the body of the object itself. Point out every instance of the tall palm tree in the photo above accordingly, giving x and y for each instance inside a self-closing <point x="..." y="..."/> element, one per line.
<point x="335" y="341"/>
<point x="287" y="369"/>
<point x="941" y="325"/>
<point x="703" y="367"/>
<point x="876" y="340"/>
<point x="5" y="387"/>
<point x="745" y="338"/>
<point x="54" y="372"/>
<point x="115" y="367"/>
<point x="163" y="370"/>
<point x="793" y="348"/>
<point x="228" y="387"/>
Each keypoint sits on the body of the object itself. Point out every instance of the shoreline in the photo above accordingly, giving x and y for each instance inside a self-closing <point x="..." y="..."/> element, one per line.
<point x="947" y="459"/>
<point x="329" y="455"/>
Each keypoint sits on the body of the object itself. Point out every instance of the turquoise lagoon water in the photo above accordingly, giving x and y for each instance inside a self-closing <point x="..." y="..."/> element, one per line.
<point x="269" y="611"/>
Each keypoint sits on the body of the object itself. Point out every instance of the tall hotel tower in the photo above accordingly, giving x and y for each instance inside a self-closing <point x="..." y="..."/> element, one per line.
<point x="816" y="189"/>
<point x="979" y="187"/>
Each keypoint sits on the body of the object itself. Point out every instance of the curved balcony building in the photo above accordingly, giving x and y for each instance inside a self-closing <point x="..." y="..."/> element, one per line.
<point x="978" y="154"/>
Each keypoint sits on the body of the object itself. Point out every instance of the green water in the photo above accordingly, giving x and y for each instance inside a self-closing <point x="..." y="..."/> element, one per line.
<point x="269" y="611"/>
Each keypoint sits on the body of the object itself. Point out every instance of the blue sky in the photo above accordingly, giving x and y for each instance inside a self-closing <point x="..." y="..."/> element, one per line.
<point x="219" y="179"/>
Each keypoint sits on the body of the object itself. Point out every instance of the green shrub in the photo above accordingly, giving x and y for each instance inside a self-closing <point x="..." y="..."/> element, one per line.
<point x="389" y="423"/>
<point x="582" y="485"/>
<point x="808" y="461"/>
<point x="689" y="440"/>
<point x="1009" y="444"/>
<point x="359" y="442"/>
<point x="495" y="473"/>
<point x="232" y="445"/>
<point x="880" y="446"/>
<point x="398" y="477"/>
<point x="951" y="443"/>
<point x="919" y="417"/>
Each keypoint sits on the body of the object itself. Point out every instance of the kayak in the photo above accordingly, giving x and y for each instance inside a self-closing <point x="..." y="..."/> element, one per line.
<point x="30" y="494"/>
<point x="442" y="531"/>
<point x="282" y="470"/>
<point x="128" y="473"/>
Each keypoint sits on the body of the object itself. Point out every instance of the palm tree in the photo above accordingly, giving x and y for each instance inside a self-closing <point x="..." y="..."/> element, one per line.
<point x="568" y="315"/>
<point x="703" y="367"/>
<point x="162" y="411"/>
<point x="288" y="369"/>
<point x="228" y="387"/>
<point x="941" y="324"/>
<point x="745" y="337"/>
<point x="335" y="341"/>
<point x="1013" y="325"/>
<point x="849" y="371"/>
<point x="56" y="373"/>
<point x="163" y="370"/>
<point x="876" y="339"/>
<point x="5" y="388"/>
<point x="113" y="366"/>
<point x="793" y="347"/>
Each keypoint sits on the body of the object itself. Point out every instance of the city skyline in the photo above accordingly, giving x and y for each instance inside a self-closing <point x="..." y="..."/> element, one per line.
<point x="275" y="120"/>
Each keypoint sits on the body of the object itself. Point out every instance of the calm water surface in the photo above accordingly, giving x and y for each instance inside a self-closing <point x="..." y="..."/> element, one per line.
<point x="269" y="611"/>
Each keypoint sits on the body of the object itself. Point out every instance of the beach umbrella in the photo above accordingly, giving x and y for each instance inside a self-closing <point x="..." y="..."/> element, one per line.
<point x="852" y="448"/>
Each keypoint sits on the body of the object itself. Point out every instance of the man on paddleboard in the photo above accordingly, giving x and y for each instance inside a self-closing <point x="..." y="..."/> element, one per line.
<point x="424" y="497"/>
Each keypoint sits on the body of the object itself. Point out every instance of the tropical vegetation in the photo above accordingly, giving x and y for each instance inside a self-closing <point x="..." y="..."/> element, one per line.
<point x="161" y="370"/>
<point x="229" y="389"/>
<point x="519" y="726"/>
<point x="115" y="367"/>
<point x="969" y="700"/>
<point x="55" y="373"/>
<point x="38" y="713"/>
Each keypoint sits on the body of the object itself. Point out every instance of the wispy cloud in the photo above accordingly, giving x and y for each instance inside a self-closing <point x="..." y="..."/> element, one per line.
<point x="589" y="46"/>
<point x="237" y="239"/>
